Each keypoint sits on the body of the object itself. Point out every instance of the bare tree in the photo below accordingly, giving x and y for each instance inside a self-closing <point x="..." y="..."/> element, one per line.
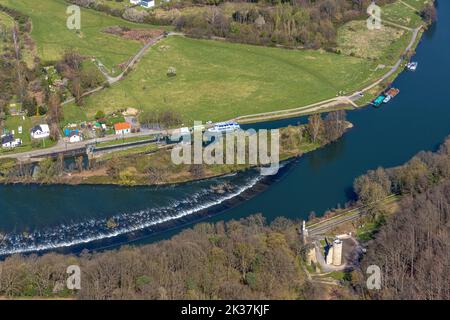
<point x="315" y="126"/>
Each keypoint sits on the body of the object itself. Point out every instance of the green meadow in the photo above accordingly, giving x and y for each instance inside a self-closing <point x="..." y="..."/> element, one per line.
<point x="52" y="36"/>
<point x="401" y="12"/>
<point x="6" y="22"/>
<point x="219" y="80"/>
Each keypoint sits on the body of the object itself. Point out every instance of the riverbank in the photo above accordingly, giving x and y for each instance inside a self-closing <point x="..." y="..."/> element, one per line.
<point x="152" y="165"/>
<point x="355" y="100"/>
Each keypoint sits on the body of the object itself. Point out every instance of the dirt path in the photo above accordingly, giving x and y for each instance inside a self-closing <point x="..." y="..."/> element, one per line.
<point x="136" y="57"/>
<point x="111" y="80"/>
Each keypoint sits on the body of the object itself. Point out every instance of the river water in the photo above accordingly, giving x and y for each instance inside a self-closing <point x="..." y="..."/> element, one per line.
<point x="71" y="218"/>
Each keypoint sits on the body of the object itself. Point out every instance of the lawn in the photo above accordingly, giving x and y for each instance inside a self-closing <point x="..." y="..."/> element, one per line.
<point x="6" y="25"/>
<point x="219" y="80"/>
<point x="13" y="123"/>
<point x="53" y="37"/>
<point x="121" y="140"/>
<point x="418" y="4"/>
<point x="402" y="14"/>
<point x="6" y="22"/>
<point x="125" y="4"/>
<point x="73" y="114"/>
<point x="354" y="38"/>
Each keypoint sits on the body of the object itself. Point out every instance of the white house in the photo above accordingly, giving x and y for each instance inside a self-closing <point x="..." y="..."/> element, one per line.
<point x="75" y="137"/>
<point x="135" y="1"/>
<point x="122" y="128"/>
<point x="40" y="131"/>
<point x="8" y="141"/>
<point x="147" y="4"/>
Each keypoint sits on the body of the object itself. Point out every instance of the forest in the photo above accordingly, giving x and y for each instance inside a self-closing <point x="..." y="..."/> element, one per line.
<point x="412" y="246"/>
<point x="412" y="249"/>
<point x="234" y="260"/>
<point x="254" y="259"/>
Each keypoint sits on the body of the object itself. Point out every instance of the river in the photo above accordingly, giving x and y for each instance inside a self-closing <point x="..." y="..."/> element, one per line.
<point x="71" y="218"/>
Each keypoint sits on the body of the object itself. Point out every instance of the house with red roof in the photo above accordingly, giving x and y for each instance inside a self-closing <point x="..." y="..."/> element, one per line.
<point x="122" y="128"/>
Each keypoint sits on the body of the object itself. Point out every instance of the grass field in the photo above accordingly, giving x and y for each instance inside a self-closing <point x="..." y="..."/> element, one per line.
<point x="6" y="25"/>
<point x="354" y="38"/>
<point x="13" y="123"/>
<point x="6" y="22"/>
<point x="53" y="37"/>
<point x="418" y="4"/>
<point x="400" y="13"/>
<point x="219" y="80"/>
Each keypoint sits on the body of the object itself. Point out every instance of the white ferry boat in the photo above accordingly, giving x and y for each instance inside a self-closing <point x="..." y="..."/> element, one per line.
<point x="224" y="127"/>
<point x="412" y="66"/>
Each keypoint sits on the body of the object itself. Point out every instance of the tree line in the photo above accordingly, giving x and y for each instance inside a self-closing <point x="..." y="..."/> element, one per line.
<point x="305" y="23"/>
<point x="245" y="259"/>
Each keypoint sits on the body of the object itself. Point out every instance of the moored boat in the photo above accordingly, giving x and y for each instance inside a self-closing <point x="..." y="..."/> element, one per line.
<point x="412" y="66"/>
<point x="391" y="93"/>
<point x="224" y="127"/>
<point x="379" y="100"/>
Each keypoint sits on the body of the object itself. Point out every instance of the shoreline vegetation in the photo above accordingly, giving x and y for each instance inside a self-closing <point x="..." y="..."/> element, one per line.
<point x="150" y="165"/>
<point x="252" y="259"/>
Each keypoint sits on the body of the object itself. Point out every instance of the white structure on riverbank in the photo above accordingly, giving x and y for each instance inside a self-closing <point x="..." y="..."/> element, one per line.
<point x="147" y="4"/>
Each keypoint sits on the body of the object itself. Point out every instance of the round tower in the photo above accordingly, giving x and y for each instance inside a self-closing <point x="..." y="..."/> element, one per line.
<point x="337" y="252"/>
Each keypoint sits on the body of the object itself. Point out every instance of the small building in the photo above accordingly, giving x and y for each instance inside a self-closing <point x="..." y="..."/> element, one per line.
<point x="40" y="131"/>
<point x="8" y="141"/>
<point x="147" y="4"/>
<point x="74" y="136"/>
<point x="122" y="128"/>
<point x="135" y="1"/>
